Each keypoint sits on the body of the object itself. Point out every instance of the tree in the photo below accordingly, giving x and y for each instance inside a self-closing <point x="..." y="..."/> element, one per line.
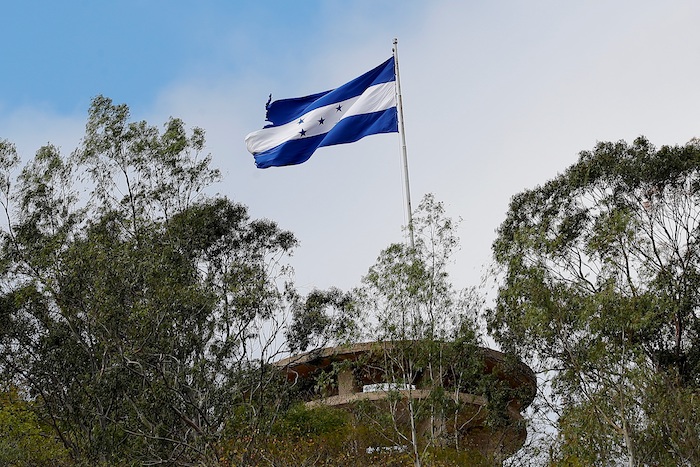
<point x="24" y="439"/>
<point x="425" y="351"/>
<point x="408" y="290"/>
<point x="143" y="318"/>
<point x="601" y="280"/>
<point x="321" y="318"/>
<point x="429" y="337"/>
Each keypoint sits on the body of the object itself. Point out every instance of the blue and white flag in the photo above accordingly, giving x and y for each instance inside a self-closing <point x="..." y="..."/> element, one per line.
<point x="362" y="107"/>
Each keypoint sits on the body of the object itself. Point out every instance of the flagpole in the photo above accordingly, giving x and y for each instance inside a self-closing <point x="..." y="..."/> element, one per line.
<point x="402" y="132"/>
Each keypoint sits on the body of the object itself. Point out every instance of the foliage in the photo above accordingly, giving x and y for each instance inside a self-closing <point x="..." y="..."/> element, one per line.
<point x="601" y="273"/>
<point x="298" y="436"/>
<point x="24" y="439"/>
<point x="407" y="292"/>
<point x="326" y="436"/>
<point x="322" y="317"/>
<point x="142" y="319"/>
<point x="423" y="348"/>
<point x="300" y="421"/>
<point x="428" y="339"/>
<point x="139" y="318"/>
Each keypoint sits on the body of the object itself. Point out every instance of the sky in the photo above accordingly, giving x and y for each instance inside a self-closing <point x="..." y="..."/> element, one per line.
<point x="499" y="96"/>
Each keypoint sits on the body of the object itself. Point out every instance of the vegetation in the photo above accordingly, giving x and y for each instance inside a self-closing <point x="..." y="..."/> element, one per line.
<point x="24" y="439"/>
<point x="601" y="273"/>
<point x="140" y="320"/>
<point x="133" y="318"/>
<point x="426" y="350"/>
<point x="415" y="309"/>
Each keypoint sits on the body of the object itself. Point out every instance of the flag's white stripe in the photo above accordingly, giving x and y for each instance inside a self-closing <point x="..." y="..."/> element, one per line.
<point x="374" y="99"/>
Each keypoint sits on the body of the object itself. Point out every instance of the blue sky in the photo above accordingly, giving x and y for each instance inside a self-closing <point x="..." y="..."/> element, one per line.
<point x="499" y="97"/>
<point x="65" y="52"/>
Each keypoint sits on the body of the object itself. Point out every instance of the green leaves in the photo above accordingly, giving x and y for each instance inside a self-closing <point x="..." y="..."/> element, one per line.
<point x="600" y="278"/>
<point x="322" y="317"/>
<point x="136" y="169"/>
<point x="407" y="292"/>
<point x="136" y="317"/>
<point x="24" y="439"/>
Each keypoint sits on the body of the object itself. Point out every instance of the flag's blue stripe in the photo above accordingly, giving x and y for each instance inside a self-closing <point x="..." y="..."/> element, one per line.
<point x="286" y="110"/>
<point x="289" y="153"/>
<point x="351" y="129"/>
<point x="348" y="130"/>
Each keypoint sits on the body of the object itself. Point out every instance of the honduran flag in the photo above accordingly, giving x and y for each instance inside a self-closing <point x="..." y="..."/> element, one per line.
<point x="362" y="107"/>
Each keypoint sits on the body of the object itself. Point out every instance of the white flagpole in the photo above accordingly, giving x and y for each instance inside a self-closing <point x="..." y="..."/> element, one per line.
<point x="399" y="105"/>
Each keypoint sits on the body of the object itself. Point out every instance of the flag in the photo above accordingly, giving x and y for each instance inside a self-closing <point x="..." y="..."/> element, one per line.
<point x="364" y="106"/>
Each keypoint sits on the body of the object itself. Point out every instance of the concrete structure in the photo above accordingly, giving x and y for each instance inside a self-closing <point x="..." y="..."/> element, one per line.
<point x="354" y="373"/>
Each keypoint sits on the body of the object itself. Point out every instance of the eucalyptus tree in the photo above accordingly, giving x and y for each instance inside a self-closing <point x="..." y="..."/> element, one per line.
<point x="601" y="292"/>
<point x="427" y="332"/>
<point x="139" y="312"/>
